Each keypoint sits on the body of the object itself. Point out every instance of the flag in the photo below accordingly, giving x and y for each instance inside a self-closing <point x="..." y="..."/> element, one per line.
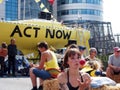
<point x="51" y="1"/>
<point x="46" y="10"/>
<point x="42" y="5"/>
<point x="1" y="1"/>
<point x="37" y="1"/>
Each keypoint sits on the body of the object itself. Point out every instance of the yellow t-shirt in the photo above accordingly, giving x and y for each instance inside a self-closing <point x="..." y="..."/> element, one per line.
<point x="52" y="63"/>
<point x="52" y="66"/>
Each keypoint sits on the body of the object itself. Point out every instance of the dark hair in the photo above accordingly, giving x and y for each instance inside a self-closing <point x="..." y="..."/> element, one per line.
<point x="43" y="44"/>
<point x="70" y="52"/>
<point x="72" y="46"/>
<point x="4" y="45"/>
<point x="13" y="39"/>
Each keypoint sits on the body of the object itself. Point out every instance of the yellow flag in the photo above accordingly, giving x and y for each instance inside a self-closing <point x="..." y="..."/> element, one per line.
<point x="42" y="5"/>
<point x="37" y="0"/>
<point x="45" y="10"/>
<point x="1" y="1"/>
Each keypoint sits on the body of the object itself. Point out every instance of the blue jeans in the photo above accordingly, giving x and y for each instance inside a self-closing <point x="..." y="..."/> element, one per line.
<point x="43" y="74"/>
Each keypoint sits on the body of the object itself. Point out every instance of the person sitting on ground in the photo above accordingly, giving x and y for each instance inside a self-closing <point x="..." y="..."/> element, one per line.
<point x="113" y="63"/>
<point x="47" y="62"/>
<point x="72" y="78"/>
<point x="94" y="62"/>
<point x="92" y="58"/>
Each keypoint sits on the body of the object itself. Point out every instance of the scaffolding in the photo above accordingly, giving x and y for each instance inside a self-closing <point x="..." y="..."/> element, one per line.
<point x="117" y="39"/>
<point x="101" y="35"/>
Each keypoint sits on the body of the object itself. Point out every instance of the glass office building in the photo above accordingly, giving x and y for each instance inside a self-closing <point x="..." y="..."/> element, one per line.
<point x="79" y="10"/>
<point x="20" y="9"/>
<point x="28" y="9"/>
<point x="11" y="9"/>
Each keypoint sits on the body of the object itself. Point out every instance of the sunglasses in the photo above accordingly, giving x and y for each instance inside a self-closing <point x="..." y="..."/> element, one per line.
<point x="117" y="51"/>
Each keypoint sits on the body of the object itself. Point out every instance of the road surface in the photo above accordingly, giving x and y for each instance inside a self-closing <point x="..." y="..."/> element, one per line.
<point x="15" y="83"/>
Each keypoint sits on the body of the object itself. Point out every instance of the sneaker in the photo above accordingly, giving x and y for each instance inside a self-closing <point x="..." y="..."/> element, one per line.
<point x="40" y="88"/>
<point x="34" y="88"/>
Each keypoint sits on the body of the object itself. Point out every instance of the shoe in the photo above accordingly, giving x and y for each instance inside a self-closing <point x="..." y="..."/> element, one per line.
<point x="34" y="88"/>
<point x="40" y="88"/>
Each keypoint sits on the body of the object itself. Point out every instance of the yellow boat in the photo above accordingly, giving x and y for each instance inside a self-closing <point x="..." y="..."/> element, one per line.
<point x="29" y="32"/>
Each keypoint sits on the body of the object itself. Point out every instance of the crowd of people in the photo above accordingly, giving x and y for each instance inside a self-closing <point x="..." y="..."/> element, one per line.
<point x="73" y="75"/>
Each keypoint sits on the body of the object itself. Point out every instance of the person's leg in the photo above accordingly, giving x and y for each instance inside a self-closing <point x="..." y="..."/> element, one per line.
<point x="109" y="73"/>
<point x="9" y="64"/>
<point x="2" y="66"/>
<point x="43" y="75"/>
<point x="40" y="84"/>
<point x="13" y="66"/>
<point x="33" y="79"/>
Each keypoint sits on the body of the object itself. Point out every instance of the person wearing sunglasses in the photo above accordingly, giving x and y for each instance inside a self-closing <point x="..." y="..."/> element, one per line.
<point x="113" y="63"/>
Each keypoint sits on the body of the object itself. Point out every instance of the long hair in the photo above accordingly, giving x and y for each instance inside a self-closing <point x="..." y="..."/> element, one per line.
<point x="69" y="53"/>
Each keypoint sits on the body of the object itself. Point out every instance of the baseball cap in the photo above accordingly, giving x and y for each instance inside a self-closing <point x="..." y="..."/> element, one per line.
<point x="116" y="49"/>
<point x="82" y="47"/>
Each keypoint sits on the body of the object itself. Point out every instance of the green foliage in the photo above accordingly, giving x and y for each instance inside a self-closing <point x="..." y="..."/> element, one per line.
<point x="104" y="59"/>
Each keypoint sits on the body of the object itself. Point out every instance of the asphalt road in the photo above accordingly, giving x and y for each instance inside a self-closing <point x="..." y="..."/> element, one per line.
<point x="15" y="83"/>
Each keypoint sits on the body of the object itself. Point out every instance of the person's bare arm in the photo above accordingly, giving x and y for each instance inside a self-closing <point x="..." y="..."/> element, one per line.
<point x="62" y="82"/>
<point x="111" y="66"/>
<point x="43" y="59"/>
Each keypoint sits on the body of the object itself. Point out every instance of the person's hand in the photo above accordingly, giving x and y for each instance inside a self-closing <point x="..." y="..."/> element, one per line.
<point x="114" y="67"/>
<point x="117" y="69"/>
<point x="31" y="64"/>
<point x="83" y="85"/>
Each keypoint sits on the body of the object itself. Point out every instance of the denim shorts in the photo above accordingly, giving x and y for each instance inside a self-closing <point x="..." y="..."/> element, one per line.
<point x="43" y="74"/>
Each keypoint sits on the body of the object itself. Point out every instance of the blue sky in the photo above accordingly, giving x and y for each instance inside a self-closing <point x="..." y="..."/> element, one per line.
<point x="112" y="14"/>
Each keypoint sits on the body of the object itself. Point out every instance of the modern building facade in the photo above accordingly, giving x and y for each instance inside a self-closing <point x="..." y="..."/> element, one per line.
<point x="20" y="9"/>
<point x="11" y="9"/>
<point x="71" y="11"/>
<point x="87" y="14"/>
<point x="2" y="10"/>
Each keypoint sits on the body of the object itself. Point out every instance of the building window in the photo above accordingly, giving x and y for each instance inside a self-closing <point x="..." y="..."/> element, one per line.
<point x="80" y="11"/>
